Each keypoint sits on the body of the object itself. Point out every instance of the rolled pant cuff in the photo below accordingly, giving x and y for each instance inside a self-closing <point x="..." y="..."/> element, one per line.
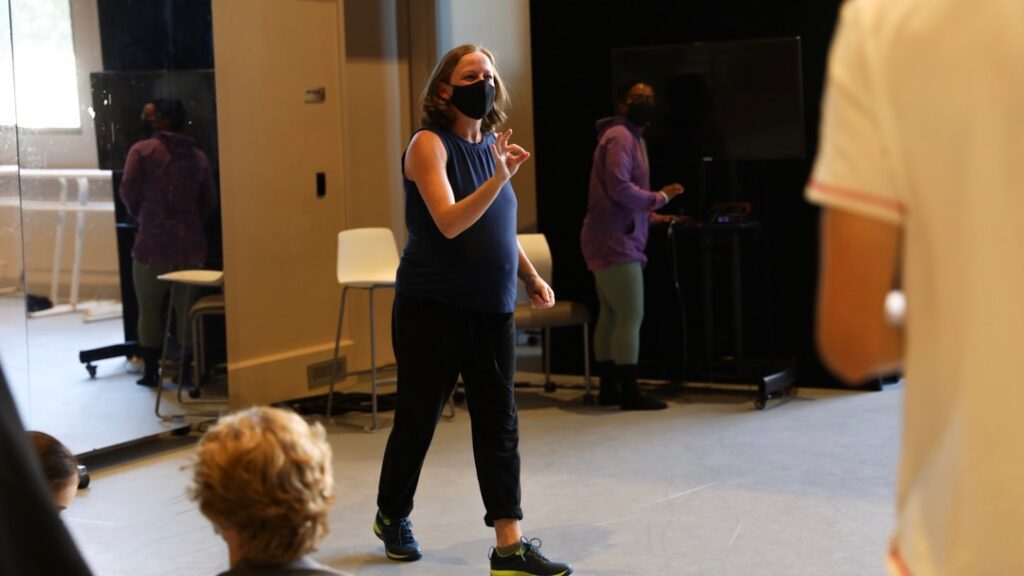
<point x="509" y="514"/>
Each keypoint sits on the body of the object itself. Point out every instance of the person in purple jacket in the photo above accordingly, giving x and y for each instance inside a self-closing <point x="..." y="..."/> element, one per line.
<point x="620" y="207"/>
<point x="168" y="187"/>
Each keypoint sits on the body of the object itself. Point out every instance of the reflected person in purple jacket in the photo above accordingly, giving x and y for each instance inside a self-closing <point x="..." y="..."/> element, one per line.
<point x="620" y="207"/>
<point x="168" y="187"/>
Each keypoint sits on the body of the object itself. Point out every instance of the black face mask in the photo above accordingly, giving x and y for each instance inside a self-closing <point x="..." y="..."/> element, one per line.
<point x="146" y="127"/>
<point x="474" y="100"/>
<point x="640" y="113"/>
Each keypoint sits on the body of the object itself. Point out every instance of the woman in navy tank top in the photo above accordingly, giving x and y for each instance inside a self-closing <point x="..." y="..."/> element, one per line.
<point x="456" y="294"/>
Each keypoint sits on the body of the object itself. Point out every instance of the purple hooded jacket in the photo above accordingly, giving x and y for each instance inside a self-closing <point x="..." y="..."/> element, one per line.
<point x="168" y="186"/>
<point x="615" y="228"/>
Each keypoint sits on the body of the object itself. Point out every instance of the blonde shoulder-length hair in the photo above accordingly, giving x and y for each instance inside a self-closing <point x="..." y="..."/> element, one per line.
<point x="437" y="111"/>
<point x="266" y="475"/>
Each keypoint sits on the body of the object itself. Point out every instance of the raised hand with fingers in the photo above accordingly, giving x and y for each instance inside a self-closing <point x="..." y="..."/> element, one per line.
<point x="507" y="157"/>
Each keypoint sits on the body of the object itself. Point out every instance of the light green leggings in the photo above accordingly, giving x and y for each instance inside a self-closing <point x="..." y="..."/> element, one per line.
<point x="620" y="290"/>
<point x="151" y="294"/>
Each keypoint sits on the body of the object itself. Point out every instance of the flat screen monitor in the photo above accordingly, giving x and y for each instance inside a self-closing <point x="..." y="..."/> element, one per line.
<point x="118" y="98"/>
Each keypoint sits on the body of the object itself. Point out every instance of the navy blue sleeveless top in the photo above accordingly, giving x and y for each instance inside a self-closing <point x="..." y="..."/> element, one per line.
<point x="477" y="269"/>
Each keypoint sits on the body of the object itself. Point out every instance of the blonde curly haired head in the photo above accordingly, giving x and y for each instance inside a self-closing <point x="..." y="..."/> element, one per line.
<point x="265" y="475"/>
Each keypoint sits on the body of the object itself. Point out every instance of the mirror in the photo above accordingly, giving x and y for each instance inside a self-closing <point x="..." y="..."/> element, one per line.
<point x="13" y="339"/>
<point x="84" y="70"/>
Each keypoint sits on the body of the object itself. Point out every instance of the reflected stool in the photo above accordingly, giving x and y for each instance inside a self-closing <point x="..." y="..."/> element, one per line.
<point x="188" y="279"/>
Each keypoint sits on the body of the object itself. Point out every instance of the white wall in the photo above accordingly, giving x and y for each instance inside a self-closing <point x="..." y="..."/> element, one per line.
<point x="503" y="27"/>
<point x="377" y="112"/>
<point x="279" y="237"/>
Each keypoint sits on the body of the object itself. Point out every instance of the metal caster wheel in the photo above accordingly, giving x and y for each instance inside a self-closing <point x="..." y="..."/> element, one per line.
<point x="550" y="387"/>
<point x="589" y="400"/>
<point x="83" y="477"/>
<point x="91" y="369"/>
<point x="760" y="403"/>
<point x="181" y="431"/>
<point x="194" y="393"/>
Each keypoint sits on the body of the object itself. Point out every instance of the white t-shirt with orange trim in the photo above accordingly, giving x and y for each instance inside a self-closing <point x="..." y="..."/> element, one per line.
<point x="923" y="127"/>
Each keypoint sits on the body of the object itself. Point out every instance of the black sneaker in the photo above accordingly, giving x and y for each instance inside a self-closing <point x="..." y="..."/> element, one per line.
<point x="399" y="543"/>
<point x="527" y="561"/>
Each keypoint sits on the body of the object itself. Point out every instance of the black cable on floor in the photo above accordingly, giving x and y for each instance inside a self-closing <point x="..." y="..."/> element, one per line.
<point x="673" y="256"/>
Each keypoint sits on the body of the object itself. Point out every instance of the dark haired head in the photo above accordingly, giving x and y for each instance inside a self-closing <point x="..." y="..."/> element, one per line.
<point x="172" y="110"/>
<point x="621" y="92"/>
<point x="59" y="465"/>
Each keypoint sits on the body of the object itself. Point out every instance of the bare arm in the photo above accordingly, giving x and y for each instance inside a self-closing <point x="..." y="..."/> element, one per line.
<point x="540" y="293"/>
<point x="858" y="260"/>
<point x="425" y="165"/>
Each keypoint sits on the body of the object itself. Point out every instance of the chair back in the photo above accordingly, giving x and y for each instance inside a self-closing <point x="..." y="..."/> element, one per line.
<point x="367" y="256"/>
<point x="537" y="250"/>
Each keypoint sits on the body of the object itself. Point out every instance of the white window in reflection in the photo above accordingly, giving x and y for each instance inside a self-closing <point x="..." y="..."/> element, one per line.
<point x="6" y="69"/>
<point x="44" y="65"/>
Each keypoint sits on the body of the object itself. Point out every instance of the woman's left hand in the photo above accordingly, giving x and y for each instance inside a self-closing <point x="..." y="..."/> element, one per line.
<point x="541" y="295"/>
<point x="507" y="157"/>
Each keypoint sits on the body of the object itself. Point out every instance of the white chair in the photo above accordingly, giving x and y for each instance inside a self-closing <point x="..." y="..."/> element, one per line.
<point x="367" y="260"/>
<point x="563" y="313"/>
<point x="189" y="279"/>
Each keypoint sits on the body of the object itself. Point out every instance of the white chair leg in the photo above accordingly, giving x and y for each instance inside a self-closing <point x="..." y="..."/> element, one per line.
<point x="198" y="350"/>
<point x="334" y="360"/>
<point x="373" y="362"/>
<point x="163" y="353"/>
<point x="181" y="348"/>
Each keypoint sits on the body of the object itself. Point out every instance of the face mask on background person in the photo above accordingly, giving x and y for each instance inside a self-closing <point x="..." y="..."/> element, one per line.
<point x="640" y="113"/>
<point x="474" y="100"/>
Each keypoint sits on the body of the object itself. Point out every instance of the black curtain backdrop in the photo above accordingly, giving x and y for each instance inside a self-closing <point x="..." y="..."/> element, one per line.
<point x="572" y="42"/>
<point x="156" y="34"/>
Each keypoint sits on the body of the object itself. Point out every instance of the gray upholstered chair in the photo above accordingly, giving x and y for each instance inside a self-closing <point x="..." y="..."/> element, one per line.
<point x="563" y="313"/>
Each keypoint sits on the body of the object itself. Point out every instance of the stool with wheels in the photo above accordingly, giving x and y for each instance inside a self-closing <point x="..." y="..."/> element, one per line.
<point x="185" y="280"/>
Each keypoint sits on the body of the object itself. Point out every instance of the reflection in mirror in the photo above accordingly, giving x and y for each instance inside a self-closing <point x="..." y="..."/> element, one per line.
<point x="13" y="344"/>
<point x="84" y="70"/>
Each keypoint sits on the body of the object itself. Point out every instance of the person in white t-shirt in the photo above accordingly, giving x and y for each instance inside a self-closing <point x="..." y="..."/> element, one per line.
<point x="920" y="166"/>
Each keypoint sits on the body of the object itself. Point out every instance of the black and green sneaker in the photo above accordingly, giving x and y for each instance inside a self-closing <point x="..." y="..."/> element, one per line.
<point x="399" y="543"/>
<point x="526" y="561"/>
